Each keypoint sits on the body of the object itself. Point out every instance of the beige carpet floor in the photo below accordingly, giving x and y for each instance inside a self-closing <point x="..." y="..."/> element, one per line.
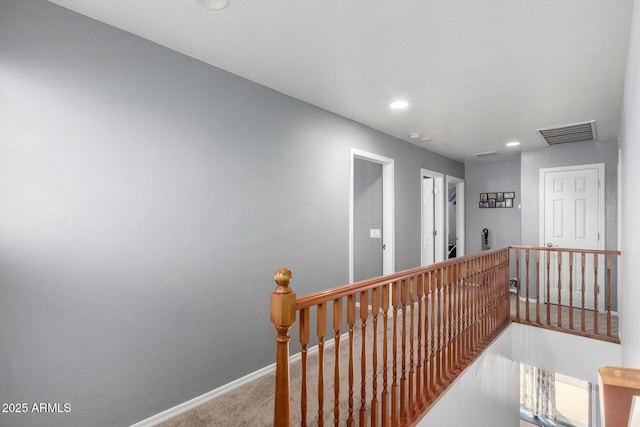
<point x="252" y="404"/>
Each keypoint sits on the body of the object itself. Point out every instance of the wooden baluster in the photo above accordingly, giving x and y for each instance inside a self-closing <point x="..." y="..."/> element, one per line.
<point x="454" y="317"/>
<point x="395" y="299"/>
<point x="426" y="385"/>
<point x="283" y="314"/>
<point x="412" y="339"/>
<point x="582" y="311"/>
<point x="571" y="255"/>
<point x="304" y="343"/>
<point x="527" y="256"/>
<point x="473" y="290"/>
<point x="439" y="340"/>
<point x="462" y="290"/>
<point x="433" y="335"/>
<point x="445" y="324"/>
<point x="548" y="299"/>
<point x="385" y="360"/>
<point x="595" y="293"/>
<point x="351" y="320"/>
<point x="321" y="327"/>
<point x="449" y="322"/>
<point x="560" y="254"/>
<point x="507" y="275"/>
<point x="404" y="296"/>
<point x="518" y="283"/>
<point x="364" y="314"/>
<point x="492" y="295"/>
<point x="489" y="303"/>
<point x="608" y="295"/>
<point x="467" y="310"/>
<point x="421" y="361"/>
<point x="337" y="326"/>
<point x="483" y="301"/>
<point x="538" y="296"/>
<point x="375" y="311"/>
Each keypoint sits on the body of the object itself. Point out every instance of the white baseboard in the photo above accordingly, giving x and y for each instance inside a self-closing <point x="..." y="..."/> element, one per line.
<point x="202" y="399"/>
<point x="199" y="400"/>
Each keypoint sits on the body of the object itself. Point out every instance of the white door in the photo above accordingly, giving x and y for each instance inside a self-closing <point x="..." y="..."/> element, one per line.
<point x="429" y="228"/>
<point x="572" y="210"/>
<point x="432" y="217"/>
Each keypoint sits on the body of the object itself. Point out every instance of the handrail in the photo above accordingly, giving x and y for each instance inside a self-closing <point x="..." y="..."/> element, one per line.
<point x="572" y="250"/>
<point x="364" y="285"/>
<point x="618" y="386"/>
<point x="435" y="320"/>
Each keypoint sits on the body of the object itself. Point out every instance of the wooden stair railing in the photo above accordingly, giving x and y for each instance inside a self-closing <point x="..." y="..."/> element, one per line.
<point x="435" y="321"/>
<point x="552" y="284"/>
<point x="618" y="386"/>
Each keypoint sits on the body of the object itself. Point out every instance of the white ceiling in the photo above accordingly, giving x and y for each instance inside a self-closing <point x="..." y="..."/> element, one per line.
<point x="477" y="74"/>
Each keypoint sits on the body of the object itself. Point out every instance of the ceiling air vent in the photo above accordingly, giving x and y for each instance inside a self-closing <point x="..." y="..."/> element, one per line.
<point x="578" y="132"/>
<point x="486" y="154"/>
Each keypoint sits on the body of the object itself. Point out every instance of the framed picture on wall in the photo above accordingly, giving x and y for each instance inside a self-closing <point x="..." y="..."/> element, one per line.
<point x="499" y="197"/>
<point x="508" y="203"/>
<point x="484" y="204"/>
<point x="510" y="195"/>
<point x="483" y="198"/>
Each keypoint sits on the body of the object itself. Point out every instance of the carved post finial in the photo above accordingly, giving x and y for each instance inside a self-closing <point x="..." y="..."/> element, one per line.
<point x="283" y="278"/>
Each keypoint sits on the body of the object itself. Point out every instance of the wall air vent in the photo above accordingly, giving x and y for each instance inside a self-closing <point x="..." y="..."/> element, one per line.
<point x="578" y="132"/>
<point x="486" y="154"/>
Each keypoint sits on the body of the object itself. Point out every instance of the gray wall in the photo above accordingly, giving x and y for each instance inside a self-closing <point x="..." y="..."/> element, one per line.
<point x="367" y="214"/>
<point x="503" y="223"/>
<point x="145" y="201"/>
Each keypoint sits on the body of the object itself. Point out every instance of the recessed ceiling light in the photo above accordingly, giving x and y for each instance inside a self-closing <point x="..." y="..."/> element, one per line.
<point x="399" y="104"/>
<point x="513" y="144"/>
<point x="214" y="4"/>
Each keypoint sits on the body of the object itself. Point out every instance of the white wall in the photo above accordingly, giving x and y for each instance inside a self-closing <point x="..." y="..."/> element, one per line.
<point x="566" y="354"/>
<point x="630" y="201"/>
<point x="488" y="393"/>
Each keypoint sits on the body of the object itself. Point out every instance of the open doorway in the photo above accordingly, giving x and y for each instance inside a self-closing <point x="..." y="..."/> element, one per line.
<point x="455" y="217"/>
<point x="366" y="169"/>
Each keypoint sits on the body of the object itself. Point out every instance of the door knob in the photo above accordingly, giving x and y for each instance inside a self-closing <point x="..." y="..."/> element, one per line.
<point x="549" y="245"/>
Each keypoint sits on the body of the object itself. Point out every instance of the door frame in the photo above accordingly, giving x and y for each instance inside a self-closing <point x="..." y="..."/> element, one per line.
<point x="438" y="220"/>
<point x="388" y="211"/>
<point x="460" y="213"/>
<point x="601" y="216"/>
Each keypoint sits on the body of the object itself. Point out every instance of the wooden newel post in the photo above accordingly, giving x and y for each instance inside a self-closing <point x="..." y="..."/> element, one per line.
<point x="283" y="314"/>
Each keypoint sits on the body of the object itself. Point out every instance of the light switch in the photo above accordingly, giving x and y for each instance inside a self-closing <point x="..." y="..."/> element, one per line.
<point x="375" y="233"/>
